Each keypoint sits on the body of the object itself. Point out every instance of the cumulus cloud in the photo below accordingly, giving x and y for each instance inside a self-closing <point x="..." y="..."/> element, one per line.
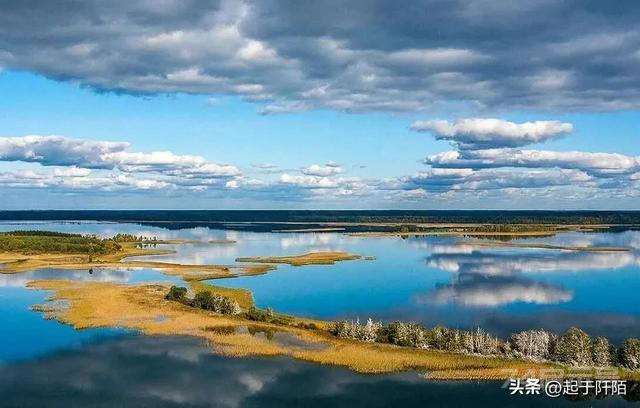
<point x="485" y="133"/>
<point x="90" y="154"/>
<point x="467" y="179"/>
<point x="323" y="183"/>
<point x="322" y="171"/>
<point x="567" y="55"/>
<point x="601" y="164"/>
<point x="103" y="165"/>
<point x="71" y="172"/>
<point x="488" y="157"/>
<point x="59" y="151"/>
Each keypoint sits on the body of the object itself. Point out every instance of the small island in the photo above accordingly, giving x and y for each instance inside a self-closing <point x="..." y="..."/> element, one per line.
<point x="311" y="258"/>
<point x="22" y="251"/>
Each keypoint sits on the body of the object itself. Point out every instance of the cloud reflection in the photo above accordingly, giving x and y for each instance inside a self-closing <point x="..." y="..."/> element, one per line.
<point x="493" y="291"/>
<point x="158" y="371"/>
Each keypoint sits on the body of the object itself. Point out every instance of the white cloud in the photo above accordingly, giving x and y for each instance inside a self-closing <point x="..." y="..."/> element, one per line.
<point x="89" y="154"/>
<point x="284" y="107"/>
<point x="59" y="151"/>
<point x="601" y="164"/>
<point x="478" y="132"/>
<point x="71" y="172"/>
<point x="323" y="171"/>
<point x="114" y="166"/>
<point x="309" y="181"/>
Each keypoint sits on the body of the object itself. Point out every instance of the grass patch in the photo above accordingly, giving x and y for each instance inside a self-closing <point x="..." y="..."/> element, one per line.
<point x="311" y="258"/>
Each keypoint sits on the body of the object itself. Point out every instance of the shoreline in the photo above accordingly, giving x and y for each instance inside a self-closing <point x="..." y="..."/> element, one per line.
<point x="143" y="308"/>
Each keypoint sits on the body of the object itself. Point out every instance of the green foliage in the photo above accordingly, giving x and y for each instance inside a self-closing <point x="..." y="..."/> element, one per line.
<point x="126" y="238"/>
<point x="205" y="300"/>
<point x="178" y="293"/>
<point x="216" y="303"/>
<point x="267" y="315"/>
<point x="601" y="352"/>
<point x="406" y="334"/>
<point x="33" y="242"/>
<point x="574" y="348"/>
<point x="630" y="354"/>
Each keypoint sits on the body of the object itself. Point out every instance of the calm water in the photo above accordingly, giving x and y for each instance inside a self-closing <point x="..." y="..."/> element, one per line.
<point x="427" y="279"/>
<point x="179" y="371"/>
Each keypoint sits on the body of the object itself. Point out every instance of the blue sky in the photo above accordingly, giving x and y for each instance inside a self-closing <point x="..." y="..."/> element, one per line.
<point x="304" y="116"/>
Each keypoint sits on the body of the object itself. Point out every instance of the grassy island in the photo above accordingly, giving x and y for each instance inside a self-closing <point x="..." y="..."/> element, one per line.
<point x="234" y="327"/>
<point x="22" y="251"/>
<point x="145" y="308"/>
<point x="311" y="258"/>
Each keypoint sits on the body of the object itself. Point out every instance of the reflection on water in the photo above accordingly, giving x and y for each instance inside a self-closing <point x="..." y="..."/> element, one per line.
<point x="180" y="371"/>
<point x="117" y="275"/>
<point x="31" y="335"/>
<point x="432" y="280"/>
<point x="478" y="290"/>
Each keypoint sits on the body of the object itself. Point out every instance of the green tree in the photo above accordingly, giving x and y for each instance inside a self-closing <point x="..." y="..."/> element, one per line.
<point x="574" y="348"/>
<point x="601" y="352"/>
<point x="203" y="300"/>
<point x="176" y="293"/>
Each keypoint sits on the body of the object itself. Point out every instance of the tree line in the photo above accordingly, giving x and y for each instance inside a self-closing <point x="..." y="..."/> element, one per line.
<point x="574" y="347"/>
<point x="55" y="242"/>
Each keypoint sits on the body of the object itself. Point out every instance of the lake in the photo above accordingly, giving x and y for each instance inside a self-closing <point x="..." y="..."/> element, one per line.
<point x="431" y="280"/>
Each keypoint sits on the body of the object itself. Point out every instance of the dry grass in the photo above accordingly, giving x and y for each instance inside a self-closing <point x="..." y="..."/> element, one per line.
<point x="143" y="307"/>
<point x="311" y="258"/>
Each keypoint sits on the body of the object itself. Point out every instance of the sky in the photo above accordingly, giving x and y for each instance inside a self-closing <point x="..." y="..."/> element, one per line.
<point x="194" y="104"/>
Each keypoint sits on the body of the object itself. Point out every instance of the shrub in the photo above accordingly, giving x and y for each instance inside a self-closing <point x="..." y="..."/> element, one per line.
<point x="630" y="354"/>
<point x="177" y="293"/>
<point x="574" y="348"/>
<point x="267" y="315"/>
<point x="216" y="303"/>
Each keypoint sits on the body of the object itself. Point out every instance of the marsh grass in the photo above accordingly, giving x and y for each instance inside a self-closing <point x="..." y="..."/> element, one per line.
<point x="100" y="304"/>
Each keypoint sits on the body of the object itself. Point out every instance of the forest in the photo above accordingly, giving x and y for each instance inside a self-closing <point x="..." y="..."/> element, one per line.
<point x="34" y="242"/>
